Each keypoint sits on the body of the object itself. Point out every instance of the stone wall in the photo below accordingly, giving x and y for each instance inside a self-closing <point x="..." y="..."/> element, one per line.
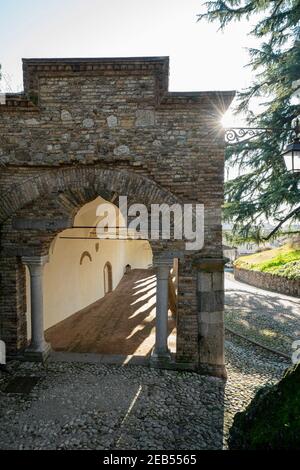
<point x="268" y="281"/>
<point x="89" y="127"/>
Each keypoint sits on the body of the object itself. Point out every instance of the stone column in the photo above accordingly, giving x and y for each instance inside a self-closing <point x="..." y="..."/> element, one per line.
<point x="38" y="349"/>
<point x="161" y="354"/>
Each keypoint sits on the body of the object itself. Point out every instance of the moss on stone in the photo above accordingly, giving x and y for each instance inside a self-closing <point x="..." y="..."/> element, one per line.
<point x="272" y="419"/>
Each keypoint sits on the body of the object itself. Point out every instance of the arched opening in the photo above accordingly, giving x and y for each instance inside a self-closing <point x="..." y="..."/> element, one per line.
<point x="64" y="266"/>
<point x="107" y="278"/>
<point x="78" y="316"/>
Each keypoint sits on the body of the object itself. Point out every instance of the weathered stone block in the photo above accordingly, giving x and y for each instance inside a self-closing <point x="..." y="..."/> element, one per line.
<point x="32" y="122"/>
<point x="65" y="115"/>
<point x="211" y="343"/>
<point x="218" y="281"/>
<point x="145" y="118"/>
<point x="121" y="150"/>
<point x="112" y="121"/>
<point x="204" y="282"/>
<point x="88" y="123"/>
<point x="210" y="301"/>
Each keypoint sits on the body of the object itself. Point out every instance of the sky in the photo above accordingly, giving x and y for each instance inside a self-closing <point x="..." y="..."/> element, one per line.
<point x="201" y="57"/>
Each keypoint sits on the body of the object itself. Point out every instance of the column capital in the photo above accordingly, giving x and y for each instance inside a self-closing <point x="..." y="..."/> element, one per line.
<point x="162" y="270"/>
<point x="35" y="260"/>
<point x="163" y="261"/>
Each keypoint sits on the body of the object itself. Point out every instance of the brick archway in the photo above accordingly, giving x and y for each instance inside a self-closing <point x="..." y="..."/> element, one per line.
<point x="83" y="184"/>
<point x="32" y="201"/>
<point x="74" y="187"/>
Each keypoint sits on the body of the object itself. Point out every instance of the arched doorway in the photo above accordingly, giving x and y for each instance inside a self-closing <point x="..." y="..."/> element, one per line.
<point x="107" y="278"/>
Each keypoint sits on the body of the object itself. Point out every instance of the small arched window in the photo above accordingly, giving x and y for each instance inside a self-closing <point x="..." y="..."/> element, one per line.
<point x="107" y="275"/>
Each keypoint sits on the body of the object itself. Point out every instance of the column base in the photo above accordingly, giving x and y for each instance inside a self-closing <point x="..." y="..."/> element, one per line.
<point x="163" y="360"/>
<point x="34" y="355"/>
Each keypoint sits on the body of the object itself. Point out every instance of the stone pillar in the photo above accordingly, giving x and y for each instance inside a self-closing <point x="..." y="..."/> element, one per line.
<point x="210" y="294"/>
<point x="161" y="354"/>
<point x="38" y="349"/>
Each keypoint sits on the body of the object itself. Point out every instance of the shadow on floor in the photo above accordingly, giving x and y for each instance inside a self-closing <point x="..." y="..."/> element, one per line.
<point x="121" y="323"/>
<point x="267" y="317"/>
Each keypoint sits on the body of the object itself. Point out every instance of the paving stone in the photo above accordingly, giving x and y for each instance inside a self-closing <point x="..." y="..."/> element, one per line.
<point x="98" y="406"/>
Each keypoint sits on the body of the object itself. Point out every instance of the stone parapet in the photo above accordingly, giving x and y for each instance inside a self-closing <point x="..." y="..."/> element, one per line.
<point x="268" y="281"/>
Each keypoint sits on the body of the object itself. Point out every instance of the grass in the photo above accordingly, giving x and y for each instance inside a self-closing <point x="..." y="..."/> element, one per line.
<point x="283" y="261"/>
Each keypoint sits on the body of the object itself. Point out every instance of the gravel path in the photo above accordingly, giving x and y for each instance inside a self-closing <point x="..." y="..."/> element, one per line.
<point x="269" y="318"/>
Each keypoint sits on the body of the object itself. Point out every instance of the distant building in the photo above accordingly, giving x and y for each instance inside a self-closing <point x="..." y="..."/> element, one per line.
<point x="251" y="247"/>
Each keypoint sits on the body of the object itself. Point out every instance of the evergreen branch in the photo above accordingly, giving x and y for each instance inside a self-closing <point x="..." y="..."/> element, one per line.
<point x="266" y="189"/>
<point x="289" y="216"/>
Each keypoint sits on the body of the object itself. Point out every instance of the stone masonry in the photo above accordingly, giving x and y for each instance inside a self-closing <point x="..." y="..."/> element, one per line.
<point x="89" y="127"/>
<point x="268" y="281"/>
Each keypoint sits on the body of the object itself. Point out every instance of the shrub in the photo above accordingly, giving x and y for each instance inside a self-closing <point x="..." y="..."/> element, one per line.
<point x="272" y="419"/>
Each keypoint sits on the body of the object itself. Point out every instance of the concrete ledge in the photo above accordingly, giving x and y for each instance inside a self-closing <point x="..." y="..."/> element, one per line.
<point x="130" y="360"/>
<point x="27" y="355"/>
<point x="95" y="358"/>
<point x="146" y="361"/>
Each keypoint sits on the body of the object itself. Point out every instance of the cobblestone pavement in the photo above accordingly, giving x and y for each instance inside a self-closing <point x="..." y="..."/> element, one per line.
<point x="249" y="368"/>
<point x="269" y="318"/>
<point x="100" y="406"/>
<point x="93" y="406"/>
